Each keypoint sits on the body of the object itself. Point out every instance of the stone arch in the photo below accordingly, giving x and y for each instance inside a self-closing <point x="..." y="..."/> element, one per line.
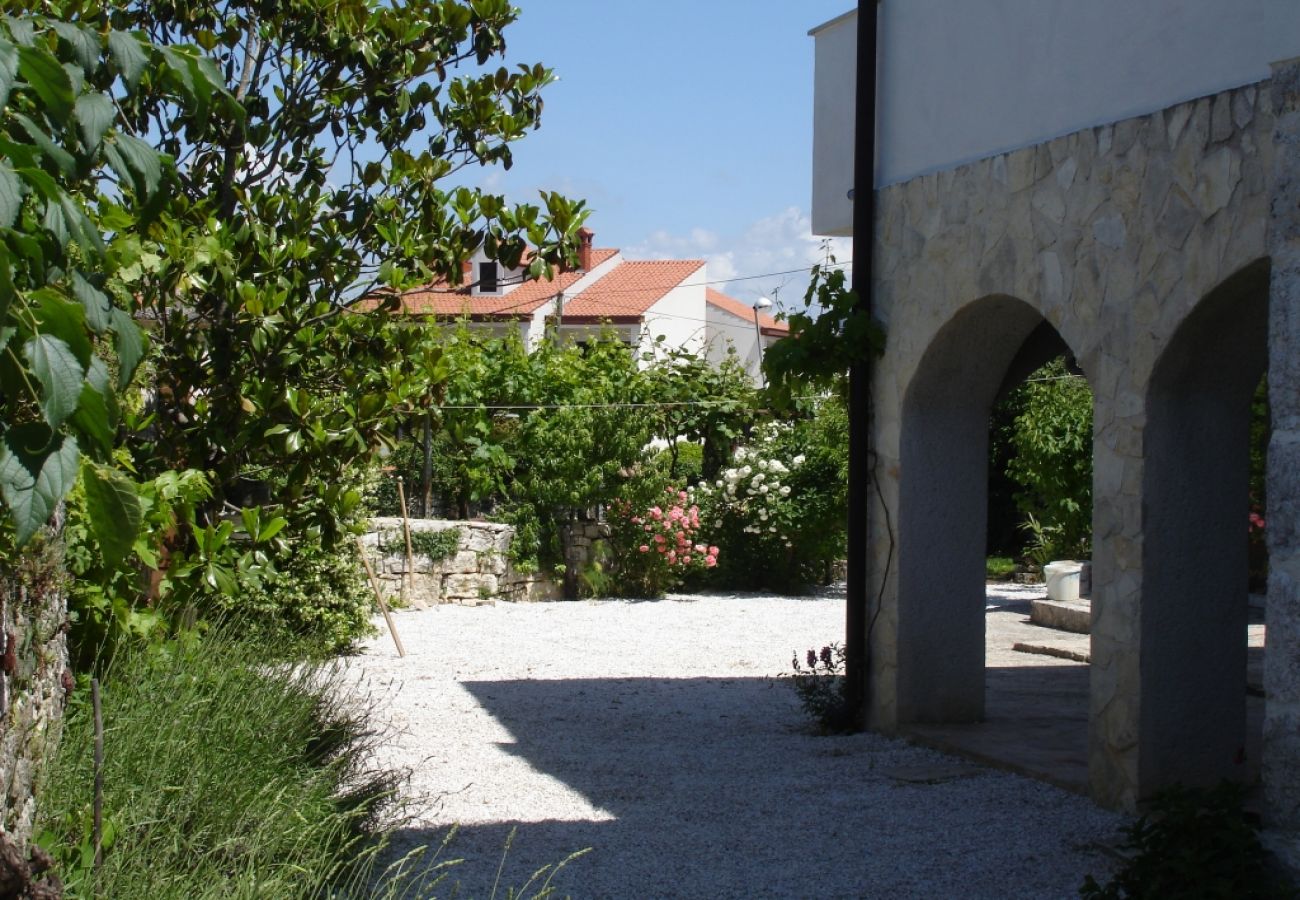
<point x="1192" y="644"/>
<point x="943" y="503"/>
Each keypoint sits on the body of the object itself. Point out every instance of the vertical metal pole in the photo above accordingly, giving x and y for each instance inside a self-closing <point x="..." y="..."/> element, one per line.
<point x="758" y="333"/>
<point x="864" y="214"/>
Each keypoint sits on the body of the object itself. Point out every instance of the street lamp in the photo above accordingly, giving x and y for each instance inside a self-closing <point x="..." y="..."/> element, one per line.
<point x="760" y="303"/>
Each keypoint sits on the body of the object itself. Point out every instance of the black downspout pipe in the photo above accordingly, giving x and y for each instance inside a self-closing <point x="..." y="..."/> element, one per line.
<point x="864" y="216"/>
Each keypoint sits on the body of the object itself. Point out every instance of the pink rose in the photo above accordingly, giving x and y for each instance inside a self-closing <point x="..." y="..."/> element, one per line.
<point x="710" y="562"/>
<point x="713" y="551"/>
<point x="686" y="560"/>
<point x="645" y="548"/>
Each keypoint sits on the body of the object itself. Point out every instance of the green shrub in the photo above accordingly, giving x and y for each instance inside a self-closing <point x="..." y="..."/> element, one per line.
<point x="657" y="539"/>
<point x="312" y="600"/>
<point x="435" y="545"/>
<point x="999" y="568"/>
<point x="1193" y="844"/>
<point x="223" y="777"/>
<point x="821" y="688"/>
<point x="1052" y="460"/>
<point x="779" y="512"/>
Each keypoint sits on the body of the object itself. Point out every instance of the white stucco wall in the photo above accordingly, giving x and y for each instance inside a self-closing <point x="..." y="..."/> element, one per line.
<point x="727" y="331"/>
<point x="961" y="81"/>
<point x="679" y="316"/>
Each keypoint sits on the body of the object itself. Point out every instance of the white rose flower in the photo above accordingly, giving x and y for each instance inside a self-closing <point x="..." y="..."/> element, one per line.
<point x="740" y="455"/>
<point x="798" y="460"/>
<point x="763" y="489"/>
<point x="772" y="528"/>
<point x="759" y="477"/>
<point x="785" y="491"/>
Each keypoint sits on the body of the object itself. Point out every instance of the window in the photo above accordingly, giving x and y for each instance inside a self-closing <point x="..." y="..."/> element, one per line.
<point x="487" y="278"/>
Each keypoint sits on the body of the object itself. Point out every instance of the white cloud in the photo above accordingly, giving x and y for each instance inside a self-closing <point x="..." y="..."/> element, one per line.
<point x="769" y="258"/>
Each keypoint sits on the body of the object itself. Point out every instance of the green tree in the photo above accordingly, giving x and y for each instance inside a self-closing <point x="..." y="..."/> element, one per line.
<point x="335" y="180"/>
<point x="700" y="403"/>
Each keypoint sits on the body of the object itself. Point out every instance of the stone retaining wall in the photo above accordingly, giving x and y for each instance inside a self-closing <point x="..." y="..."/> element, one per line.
<point x="34" y="680"/>
<point x="479" y="570"/>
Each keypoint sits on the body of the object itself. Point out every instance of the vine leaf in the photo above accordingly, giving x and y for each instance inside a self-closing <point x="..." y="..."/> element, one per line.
<point x="94" y="114"/>
<point x="130" y="59"/>
<point x="37" y="469"/>
<point x="113" y="509"/>
<point x="57" y="369"/>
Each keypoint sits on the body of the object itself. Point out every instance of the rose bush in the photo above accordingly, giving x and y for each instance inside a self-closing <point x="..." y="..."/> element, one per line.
<point x="657" y="542"/>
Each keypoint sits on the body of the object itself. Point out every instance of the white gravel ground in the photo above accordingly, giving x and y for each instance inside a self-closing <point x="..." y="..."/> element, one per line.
<point x="655" y="733"/>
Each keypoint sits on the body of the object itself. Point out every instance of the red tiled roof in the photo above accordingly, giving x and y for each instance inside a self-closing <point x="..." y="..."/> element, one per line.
<point x="632" y="288"/>
<point x="768" y="324"/>
<point x="523" y="301"/>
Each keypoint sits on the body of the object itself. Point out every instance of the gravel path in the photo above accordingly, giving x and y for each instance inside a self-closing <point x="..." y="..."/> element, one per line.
<point x="656" y="734"/>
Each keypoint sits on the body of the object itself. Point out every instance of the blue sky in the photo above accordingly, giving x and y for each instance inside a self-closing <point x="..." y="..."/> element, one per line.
<point x="687" y="126"/>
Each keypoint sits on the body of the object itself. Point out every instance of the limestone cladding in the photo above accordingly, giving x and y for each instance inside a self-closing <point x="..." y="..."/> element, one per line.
<point x="33" y="613"/>
<point x="1282" y="662"/>
<point x="1112" y="234"/>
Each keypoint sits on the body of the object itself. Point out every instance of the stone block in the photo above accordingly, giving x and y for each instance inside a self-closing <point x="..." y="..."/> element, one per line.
<point x="1219" y="174"/>
<point x="478" y="540"/>
<point x="1074" y="616"/>
<point x="1283" y="512"/>
<point x="459" y="587"/>
<point x="462" y="563"/>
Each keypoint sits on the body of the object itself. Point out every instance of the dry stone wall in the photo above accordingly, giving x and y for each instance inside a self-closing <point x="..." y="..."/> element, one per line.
<point x="34" y="681"/>
<point x="477" y="570"/>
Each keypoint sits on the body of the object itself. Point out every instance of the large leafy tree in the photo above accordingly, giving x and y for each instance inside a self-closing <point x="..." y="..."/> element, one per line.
<point x="335" y="178"/>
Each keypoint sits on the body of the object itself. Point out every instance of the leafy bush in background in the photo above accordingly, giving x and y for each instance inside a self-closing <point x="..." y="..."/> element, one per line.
<point x="1052" y="461"/>
<point x="780" y="509"/>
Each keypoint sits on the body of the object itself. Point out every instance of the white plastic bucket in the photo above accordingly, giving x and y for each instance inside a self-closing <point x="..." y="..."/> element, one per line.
<point x="1063" y="580"/>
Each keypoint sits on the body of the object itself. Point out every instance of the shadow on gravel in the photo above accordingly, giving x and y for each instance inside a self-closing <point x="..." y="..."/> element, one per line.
<point x="718" y="789"/>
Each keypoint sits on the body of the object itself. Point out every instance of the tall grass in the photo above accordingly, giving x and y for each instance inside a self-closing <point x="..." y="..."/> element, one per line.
<point x="224" y="776"/>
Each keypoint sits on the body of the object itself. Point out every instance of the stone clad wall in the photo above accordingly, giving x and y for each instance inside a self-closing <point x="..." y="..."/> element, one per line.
<point x="478" y="571"/>
<point x="1282" y="673"/>
<point x="34" y="680"/>
<point x="1113" y="235"/>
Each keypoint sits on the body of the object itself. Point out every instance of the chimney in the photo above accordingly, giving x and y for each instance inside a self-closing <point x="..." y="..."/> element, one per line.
<point x="585" y="236"/>
<point x="466" y="272"/>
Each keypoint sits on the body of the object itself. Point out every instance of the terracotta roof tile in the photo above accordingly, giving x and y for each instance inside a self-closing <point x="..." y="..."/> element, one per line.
<point x="632" y="288"/>
<point x="440" y="300"/>
<point x="736" y="308"/>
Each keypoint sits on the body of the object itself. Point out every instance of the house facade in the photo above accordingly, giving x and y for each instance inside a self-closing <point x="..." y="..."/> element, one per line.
<point x="1120" y="182"/>
<point x="648" y="304"/>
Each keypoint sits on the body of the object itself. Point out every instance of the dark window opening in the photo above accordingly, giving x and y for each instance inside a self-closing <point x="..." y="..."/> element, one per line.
<point x="487" y="278"/>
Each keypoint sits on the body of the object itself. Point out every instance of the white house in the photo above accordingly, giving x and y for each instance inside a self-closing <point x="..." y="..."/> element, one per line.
<point x="1119" y="181"/>
<point x="961" y="81"/>
<point x="648" y="302"/>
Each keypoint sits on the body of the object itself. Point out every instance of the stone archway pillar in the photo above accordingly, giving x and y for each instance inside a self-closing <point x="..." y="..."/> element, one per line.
<point x="1281" y="762"/>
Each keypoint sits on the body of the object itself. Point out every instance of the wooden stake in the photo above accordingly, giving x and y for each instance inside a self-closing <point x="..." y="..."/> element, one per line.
<point x="98" y="822"/>
<point x="406" y="529"/>
<point x="379" y="598"/>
